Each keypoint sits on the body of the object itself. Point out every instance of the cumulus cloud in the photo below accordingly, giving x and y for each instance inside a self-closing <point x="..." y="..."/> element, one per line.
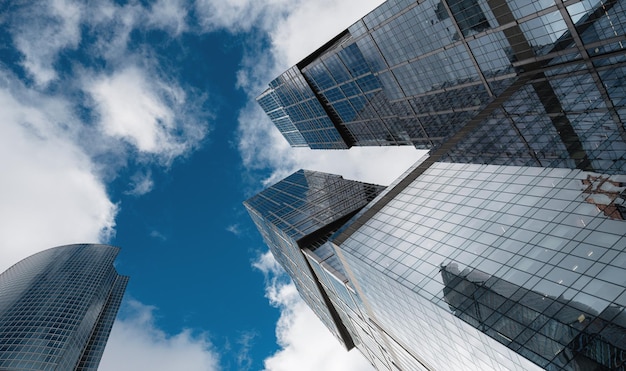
<point x="148" y="113"/>
<point x="140" y="184"/>
<point x="238" y="15"/>
<point x="135" y="101"/>
<point x="57" y="28"/>
<point x="131" y="109"/>
<point x="42" y="29"/>
<point x="308" y="345"/>
<point x="50" y="192"/>
<point x="136" y="343"/>
<point x="270" y="268"/>
<point x="305" y="343"/>
<point x="113" y="22"/>
<point x="312" y="23"/>
<point x="310" y="19"/>
<point x="169" y="15"/>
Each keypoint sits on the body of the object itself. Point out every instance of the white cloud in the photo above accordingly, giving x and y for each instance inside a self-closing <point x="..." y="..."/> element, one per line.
<point x="310" y="24"/>
<point x="140" y="108"/>
<point x="146" y="112"/>
<point x="268" y="266"/>
<point x="136" y="343"/>
<point x="57" y="27"/>
<point x="234" y="229"/>
<point x="308" y="345"/>
<point x="305" y="343"/>
<point x="140" y="184"/>
<point x="131" y="109"/>
<point x="379" y="165"/>
<point x="50" y="192"/>
<point x="314" y="21"/>
<point x="113" y="23"/>
<point x="169" y="15"/>
<point x="245" y="343"/>
<point x="42" y="29"/>
<point x="239" y="15"/>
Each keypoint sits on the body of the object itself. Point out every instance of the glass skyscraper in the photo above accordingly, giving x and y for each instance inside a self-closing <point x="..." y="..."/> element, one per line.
<point x="57" y="308"/>
<point x="505" y="247"/>
<point x="493" y="266"/>
<point x="299" y="214"/>
<point x="529" y="82"/>
<point x="460" y="266"/>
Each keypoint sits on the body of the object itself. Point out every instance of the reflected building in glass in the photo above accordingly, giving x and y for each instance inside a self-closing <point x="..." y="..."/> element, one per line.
<point x="57" y="308"/>
<point x="588" y="342"/>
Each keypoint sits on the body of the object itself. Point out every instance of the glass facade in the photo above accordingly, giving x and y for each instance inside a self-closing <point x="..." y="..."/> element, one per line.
<point x="506" y="265"/>
<point x="300" y="213"/>
<point x="460" y="266"/>
<point x="535" y="82"/>
<point x="57" y="308"/>
<point x="505" y="248"/>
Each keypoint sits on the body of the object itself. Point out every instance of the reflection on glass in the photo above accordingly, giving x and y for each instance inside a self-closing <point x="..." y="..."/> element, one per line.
<point x="554" y="332"/>
<point x="467" y="13"/>
<point x="607" y="194"/>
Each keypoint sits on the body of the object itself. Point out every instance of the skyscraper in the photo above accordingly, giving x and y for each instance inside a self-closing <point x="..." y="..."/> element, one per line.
<point x="461" y="266"/>
<point x="505" y="247"/>
<point x="298" y="215"/>
<point x="529" y="82"/>
<point x="57" y="308"/>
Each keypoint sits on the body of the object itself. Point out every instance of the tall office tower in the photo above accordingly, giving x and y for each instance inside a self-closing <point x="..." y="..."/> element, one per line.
<point x="296" y="216"/>
<point x="460" y="266"/>
<point x="57" y="308"/>
<point x="534" y="82"/>
<point x="506" y="247"/>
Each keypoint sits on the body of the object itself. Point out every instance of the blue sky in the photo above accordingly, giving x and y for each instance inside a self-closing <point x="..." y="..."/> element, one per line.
<point x="134" y="123"/>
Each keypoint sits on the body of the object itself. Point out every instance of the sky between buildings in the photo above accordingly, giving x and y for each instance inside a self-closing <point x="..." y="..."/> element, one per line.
<point x="134" y="123"/>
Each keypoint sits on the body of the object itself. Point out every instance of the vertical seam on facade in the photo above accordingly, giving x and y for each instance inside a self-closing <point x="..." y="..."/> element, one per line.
<point x="592" y="71"/>
<point x="467" y="48"/>
<point x="370" y="311"/>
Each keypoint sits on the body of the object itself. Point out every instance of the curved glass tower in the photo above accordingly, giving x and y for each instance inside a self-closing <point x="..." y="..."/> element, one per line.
<point x="57" y="308"/>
